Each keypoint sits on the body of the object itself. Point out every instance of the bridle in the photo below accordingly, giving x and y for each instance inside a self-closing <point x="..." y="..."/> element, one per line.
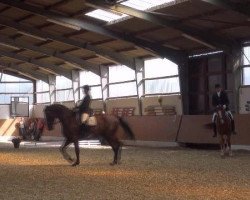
<point x="56" y="120"/>
<point x="219" y="112"/>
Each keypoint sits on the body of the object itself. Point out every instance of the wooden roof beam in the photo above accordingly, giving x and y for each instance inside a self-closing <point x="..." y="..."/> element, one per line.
<point x="210" y="40"/>
<point x="226" y="4"/>
<point x="75" y="61"/>
<point x="46" y="66"/>
<point x="31" y="73"/>
<point x="169" y="53"/>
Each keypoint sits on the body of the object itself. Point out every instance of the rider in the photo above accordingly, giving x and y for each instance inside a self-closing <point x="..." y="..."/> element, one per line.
<point x="84" y="107"/>
<point x="220" y="98"/>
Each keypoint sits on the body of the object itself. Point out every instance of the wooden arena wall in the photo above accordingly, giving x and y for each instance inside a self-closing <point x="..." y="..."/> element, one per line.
<point x="184" y="129"/>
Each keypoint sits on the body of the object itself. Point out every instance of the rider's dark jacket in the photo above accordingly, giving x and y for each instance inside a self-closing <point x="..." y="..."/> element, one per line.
<point x="220" y="100"/>
<point x="84" y="106"/>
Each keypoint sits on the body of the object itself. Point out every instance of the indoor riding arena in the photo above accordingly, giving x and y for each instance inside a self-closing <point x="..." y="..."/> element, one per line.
<point x="154" y="93"/>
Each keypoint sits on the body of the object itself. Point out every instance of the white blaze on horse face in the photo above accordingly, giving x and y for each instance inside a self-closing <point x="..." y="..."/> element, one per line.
<point x="220" y="115"/>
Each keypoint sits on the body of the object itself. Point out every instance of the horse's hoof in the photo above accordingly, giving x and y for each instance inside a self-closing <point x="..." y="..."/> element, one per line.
<point x="75" y="164"/>
<point x="230" y="153"/>
<point x="113" y="163"/>
<point x="69" y="160"/>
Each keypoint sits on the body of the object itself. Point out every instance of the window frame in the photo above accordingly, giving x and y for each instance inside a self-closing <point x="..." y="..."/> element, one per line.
<point x="42" y="92"/>
<point x="144" y="79"/>
<point x="59" y="90"/>
<point x="96" y="85"/>
<point x="243" y="65"/>
<point x="18" y="94"/>
<point x="120" y="82"/>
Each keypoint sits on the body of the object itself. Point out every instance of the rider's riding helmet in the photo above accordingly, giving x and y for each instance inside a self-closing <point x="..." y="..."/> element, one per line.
<point x="86" y="87"/>
<point x="217" y="86"/>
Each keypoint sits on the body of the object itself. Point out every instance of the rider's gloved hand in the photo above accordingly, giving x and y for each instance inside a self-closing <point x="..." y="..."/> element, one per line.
<point x="224" y="106"/>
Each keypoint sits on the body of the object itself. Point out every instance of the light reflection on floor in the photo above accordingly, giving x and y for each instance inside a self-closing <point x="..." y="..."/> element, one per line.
<point x="90" y="144"/>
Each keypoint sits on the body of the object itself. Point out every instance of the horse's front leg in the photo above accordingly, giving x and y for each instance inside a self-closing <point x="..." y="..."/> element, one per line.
<point x="229" y="146"/>
<point x="77" y="151"/>
<point x="63" y="148"/>
<point x="222" y="146"/>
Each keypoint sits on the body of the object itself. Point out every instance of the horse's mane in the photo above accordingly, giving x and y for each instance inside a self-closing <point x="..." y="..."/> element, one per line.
<point x="58" y="108"/>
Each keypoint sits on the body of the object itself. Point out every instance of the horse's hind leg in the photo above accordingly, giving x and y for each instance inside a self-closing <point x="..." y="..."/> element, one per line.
<point x="77" y="151"/>
<point x="63" y="148"/>
<point x="222" y="146"/>
<point x="119" y="154"/>
<point x="116" y="146"/>
<point x="229" y="146"/>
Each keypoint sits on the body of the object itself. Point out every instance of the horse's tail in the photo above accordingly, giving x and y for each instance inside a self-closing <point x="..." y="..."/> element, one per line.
<point x="126" y="128"/>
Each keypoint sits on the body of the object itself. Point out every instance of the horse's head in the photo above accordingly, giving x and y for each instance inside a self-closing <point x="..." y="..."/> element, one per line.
<point x="221" y="111"/>
<point x="49" y="117"/>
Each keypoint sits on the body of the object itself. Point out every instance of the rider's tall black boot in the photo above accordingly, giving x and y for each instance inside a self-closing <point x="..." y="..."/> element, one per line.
<point x="233" y="127"/>
<point x="83" y="130"/>
<point x="215" y="130"/>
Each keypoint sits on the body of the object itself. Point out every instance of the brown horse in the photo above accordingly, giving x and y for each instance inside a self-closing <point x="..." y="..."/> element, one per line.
<point x="106" y="127"/>
<point x="223" y="125"/>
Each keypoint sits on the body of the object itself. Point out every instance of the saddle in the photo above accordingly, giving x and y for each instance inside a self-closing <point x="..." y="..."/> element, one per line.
<point x="91" y="121"/>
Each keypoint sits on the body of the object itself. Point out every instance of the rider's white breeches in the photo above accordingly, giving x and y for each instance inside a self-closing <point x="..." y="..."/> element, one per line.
<point x="214" y="116"/>
<point x="84" y="117"/>
<point x="228" y="113"/>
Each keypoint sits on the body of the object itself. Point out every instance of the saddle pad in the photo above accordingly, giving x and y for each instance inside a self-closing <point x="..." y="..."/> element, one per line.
<point x="92" y="121"/>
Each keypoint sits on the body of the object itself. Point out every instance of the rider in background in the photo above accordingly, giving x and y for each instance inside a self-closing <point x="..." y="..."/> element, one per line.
<point x="220" y="98"/>
<point x="84" y="107"/>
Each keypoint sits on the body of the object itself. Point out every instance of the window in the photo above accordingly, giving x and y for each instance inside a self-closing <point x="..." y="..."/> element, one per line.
<point x="145" y="4"/>
<point x="246" y="76"/>
<point x="89" y="78"/>
<point x="161" y="76"/>
<point x="104" y="15"/>
<point x="121" y="81"/>
<point x="246" y="56"/>
<point x="111" y="16"/>
<point x="42" y="92"/>
<point x="64" y="90"/>
<point x="14" y="86"/>
<point x="94" y="81"/>
<point x="246" y="66"/>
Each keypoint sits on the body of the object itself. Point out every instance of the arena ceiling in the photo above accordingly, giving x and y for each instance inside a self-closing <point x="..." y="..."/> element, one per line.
<point x="43" y="37"/>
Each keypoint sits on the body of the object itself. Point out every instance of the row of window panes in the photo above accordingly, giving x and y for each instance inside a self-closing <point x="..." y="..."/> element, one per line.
<point x="9" y="78"/>
<point x="42" y="97"/>
<point x="167" y="85"/>
<point x="154" y="68"/>
<point x="6" y="98"/>
<point x="42" y="86"/>
<point x="63" y="83"/>
<point x="95" y="92"/>
<point x="117" y="74"/>
<point x="64" y="95"/>
<point x="120" y="73"/>
<point x="246" y="61"/>
<point x="16" y="87"/>
<point x="246" y="76"/>
<point x="122" y="89"/>
<point x="89" y="78"/>
<point x="246" y="55"/>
